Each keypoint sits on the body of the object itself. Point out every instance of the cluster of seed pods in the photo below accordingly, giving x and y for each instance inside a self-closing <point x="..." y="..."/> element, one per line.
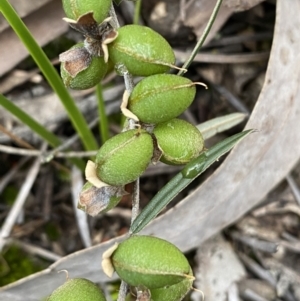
<point x="154" y="104"/>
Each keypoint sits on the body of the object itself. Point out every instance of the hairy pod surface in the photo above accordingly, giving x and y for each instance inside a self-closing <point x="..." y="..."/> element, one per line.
<point x="76" y="8"/>
<point x="141" y="50"/>
<point x="150" y="261"/>
<point x="80" y="70"/>
<point x="175" y="292"/>
<point x="161" y="97"/>
<point x="77" y="289"/>
<point x="124" y="157"/>
<point x="179" y="141"/>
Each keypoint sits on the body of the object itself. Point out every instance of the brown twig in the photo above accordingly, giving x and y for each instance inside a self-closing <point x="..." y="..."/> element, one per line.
<point x="20" y="200"/>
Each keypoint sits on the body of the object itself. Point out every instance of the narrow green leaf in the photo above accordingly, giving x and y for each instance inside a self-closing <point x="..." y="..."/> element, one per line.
<point x="103" y="123"/>
<point x="137" y="12"/>
<point x="203" y="37"/>
<point x="220" y="124"/>
<point x="190" y="172"/>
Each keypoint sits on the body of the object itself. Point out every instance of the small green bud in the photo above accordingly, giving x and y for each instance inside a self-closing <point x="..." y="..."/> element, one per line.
<point x="141" y="50"/>
<point x="76" y="8"/>
<point x="179" y="141"/>
<point x="124" y="157"/>
<point x="161" y="97"/>
<point x="148" y="261"/>
<point x="80" y="70"/>
<point x="77" y="289"/>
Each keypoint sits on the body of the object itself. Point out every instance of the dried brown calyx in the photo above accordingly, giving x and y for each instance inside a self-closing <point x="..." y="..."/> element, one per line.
<point x="94" y="200"/>
<point x="97" y="36"/>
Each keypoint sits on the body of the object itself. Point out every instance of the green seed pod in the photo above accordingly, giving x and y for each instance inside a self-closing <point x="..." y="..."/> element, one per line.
<point x="80" y="70"/>
<point x="76" y="8"/>
<point x="179" y="141"/>
<point x="141" y="50"/>
<point x="124" y="157"/>
<point x="149" y="261"/>
<point x="175" y="292"/>
<point x="161" y="97"/>
<point x="77" y="289"/>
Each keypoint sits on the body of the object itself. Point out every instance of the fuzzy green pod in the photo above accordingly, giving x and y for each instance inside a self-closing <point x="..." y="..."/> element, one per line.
<point x="76" y="8"/>
<point x="161" y="97"/>
<point x="124" y="157"/>
<point x="175" y="292"/>
<point x="150" y="261"/>
<point x="80" y="70"/>
<point x="141" y="50"/>
<point x="77" y="289"/>
<point x="179" y="141"/>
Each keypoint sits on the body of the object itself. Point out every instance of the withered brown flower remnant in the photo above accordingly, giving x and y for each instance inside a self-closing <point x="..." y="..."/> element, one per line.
<point x="94" y="200"/>
<point x="97" y="36"/>
<point x="85" y="64"/>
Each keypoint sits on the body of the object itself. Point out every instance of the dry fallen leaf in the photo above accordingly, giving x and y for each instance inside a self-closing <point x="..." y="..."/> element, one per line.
<point x="218" y="267"/>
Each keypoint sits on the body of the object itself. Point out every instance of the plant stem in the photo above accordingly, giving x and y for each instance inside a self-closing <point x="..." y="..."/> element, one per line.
<point x="135" y="200"/>
<point x="50" y="73"/>
<point x="203" y="37"/>
<point x="127" y="76"/>
<point x="137" y="11"/>
<point x="128" y="80"/>
<point x="123" y="291"/>
<point x="103" y="122"/>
